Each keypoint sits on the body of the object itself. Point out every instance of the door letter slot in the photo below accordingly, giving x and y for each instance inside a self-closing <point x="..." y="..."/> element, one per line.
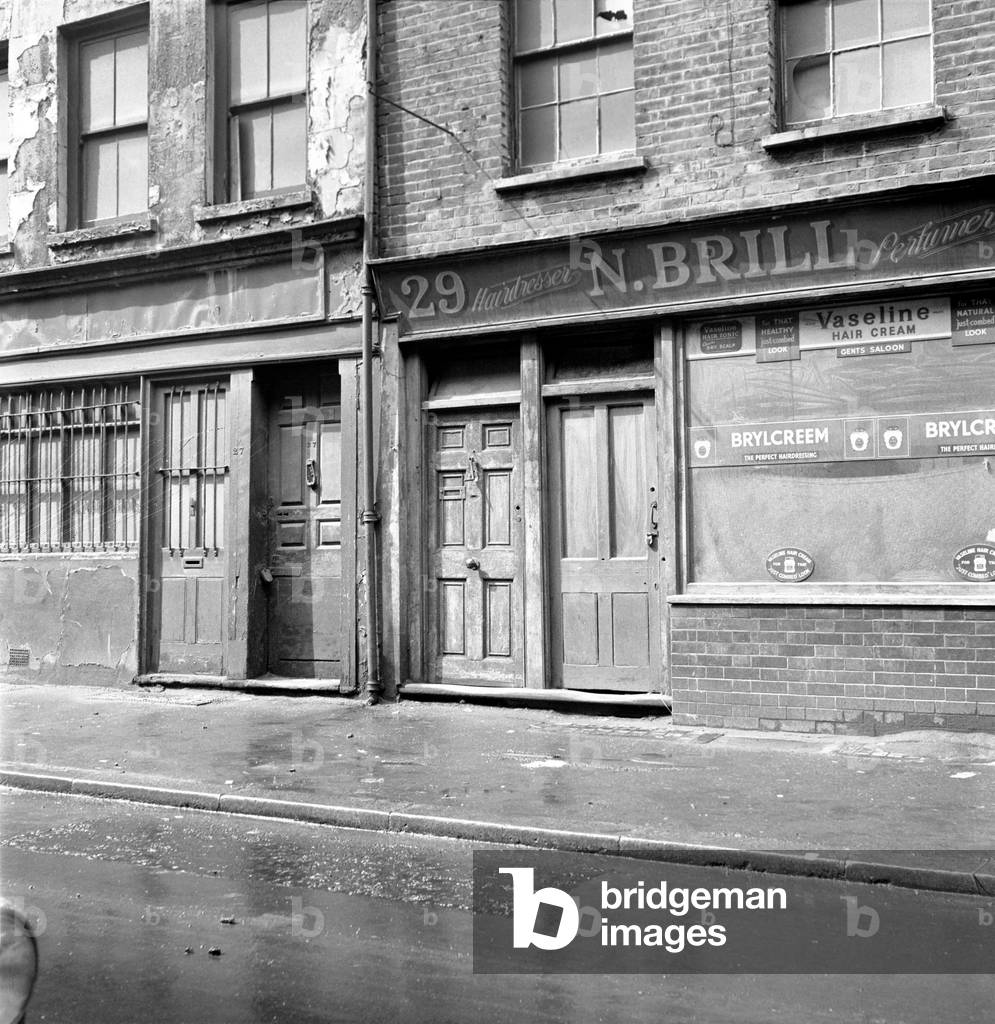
<point x="193" y="562"/>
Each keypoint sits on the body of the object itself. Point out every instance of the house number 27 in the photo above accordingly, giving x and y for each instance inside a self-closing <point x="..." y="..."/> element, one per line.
<point x="449" y="290"/>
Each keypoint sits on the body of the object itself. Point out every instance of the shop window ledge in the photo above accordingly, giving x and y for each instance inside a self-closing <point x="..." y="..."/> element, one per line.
<point x="247" y="207"/>
<point x="972" y="596"/>
<point x="124" y="227"/>
<point x="558" y="174"/>
<point x="924" y="115"/>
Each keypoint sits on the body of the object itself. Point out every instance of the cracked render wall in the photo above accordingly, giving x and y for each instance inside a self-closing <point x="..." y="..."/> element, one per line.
<point x="179" y="126"/>
<point x="74" y="616"/>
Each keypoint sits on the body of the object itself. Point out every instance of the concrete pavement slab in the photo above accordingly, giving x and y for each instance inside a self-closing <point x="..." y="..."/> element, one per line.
<point x="652" y="788"/>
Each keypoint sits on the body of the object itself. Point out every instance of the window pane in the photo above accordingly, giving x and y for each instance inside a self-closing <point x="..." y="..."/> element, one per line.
<point x="252" y="153"/>
<point x="538" y="136"/>
<point x="904" y="16"/>
<point x="805" y="28"/>
<point x="99" y="183"/>
<point x="132" y="84"/>
<point x="858" y="82"/>
<point x="618" y="123"/>
<point x="908" y="72"/>
<point x="537" y="82"/>
<point x="615" y="66"/>
<point x="287" y="47"/>
<point x="96" y="72"/>
<point x="133" y="174"/>
<point x="601" y="26"/>
<point x="578" y="75"/>
<point x="4" y="115"/>
<point x="289" y="146"/>
<point x="856" y="22"/>
<point x="579" y="128"/>
<point x="4" y="204"/>
<point x="806" y="90"/>
<point x="247" y="68"/>
<point x="535" y="23"/>
<point x="574" y="19"/>
<point x="844" y="513"/>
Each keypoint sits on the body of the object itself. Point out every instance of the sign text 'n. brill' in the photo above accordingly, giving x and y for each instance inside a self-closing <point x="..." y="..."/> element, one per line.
<point x="673" y="266"/>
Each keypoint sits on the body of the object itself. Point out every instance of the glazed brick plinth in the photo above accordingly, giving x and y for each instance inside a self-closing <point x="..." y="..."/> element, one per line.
<point x="833" y="669"/>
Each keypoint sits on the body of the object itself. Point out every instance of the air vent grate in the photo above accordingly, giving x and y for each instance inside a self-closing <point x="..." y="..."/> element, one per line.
<point x="20" y="657"/>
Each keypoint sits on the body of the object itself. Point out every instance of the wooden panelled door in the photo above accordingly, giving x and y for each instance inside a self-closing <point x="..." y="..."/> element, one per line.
<point x="305" y="599"/>
<point x="604" y="565"/>
<point x="190" y="451"/>
<point x="475" y="606"/>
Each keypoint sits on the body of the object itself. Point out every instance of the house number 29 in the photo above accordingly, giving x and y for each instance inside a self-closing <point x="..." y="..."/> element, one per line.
<point x="449" y="289"/>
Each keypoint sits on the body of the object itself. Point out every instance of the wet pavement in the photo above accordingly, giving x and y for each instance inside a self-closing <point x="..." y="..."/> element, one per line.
<point x="311" y="923"/>
<point x="925" y="795"/>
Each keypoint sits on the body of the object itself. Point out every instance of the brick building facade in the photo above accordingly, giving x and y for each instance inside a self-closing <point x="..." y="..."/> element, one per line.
<point x="692" y="335"/>
<point x="686" y="341"/>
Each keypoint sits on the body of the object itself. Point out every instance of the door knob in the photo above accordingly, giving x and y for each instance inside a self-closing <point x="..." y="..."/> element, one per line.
<point x="472" y="563"/>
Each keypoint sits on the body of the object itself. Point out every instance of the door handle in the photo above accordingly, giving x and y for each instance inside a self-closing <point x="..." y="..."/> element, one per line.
<point x="311" y="474"/>
<point x="652" y="529"/>
<point x="472" y="563"/>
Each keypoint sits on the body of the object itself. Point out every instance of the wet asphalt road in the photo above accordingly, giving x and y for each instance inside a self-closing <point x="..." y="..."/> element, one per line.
<point x="338" y="925"/>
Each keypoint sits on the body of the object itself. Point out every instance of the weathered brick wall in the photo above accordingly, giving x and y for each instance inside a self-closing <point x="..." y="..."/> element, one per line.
<point x="705" y="81"/>
<point x="833" y="669"/>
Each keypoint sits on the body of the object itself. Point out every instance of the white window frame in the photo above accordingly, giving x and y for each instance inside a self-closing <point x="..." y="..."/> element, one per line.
<point x="590" y="43"/>
<point x="833" y="53"/>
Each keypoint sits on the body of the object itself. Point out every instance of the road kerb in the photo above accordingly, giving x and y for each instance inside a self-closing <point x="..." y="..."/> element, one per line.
<point x="505" y="833"/>
<point x="367" y="819"/>
<point x="146" y="794"/>
<point x="370" y="819"/>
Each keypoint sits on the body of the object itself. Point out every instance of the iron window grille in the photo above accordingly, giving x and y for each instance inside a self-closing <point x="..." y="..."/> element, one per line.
<point x="110" y="170"/>
<point x="261" y="75"/>
<point x="69" y="469"/>
<point x="574" y="84"/>
<point x="194" y="469"/>
<point x="845" y="57"/>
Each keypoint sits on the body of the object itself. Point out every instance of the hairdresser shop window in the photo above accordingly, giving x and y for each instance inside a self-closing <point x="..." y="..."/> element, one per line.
<point x="844" y="444"/>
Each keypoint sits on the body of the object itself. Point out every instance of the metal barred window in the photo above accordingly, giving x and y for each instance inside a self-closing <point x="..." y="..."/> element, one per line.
<point x="195" y="468"/>
<point x="69" y="469"/>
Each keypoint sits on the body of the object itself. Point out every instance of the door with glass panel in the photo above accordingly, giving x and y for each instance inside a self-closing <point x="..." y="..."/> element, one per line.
<point x="604" y="578"/>
<point x="475" y="630"/>
<point x="190" y="459"/>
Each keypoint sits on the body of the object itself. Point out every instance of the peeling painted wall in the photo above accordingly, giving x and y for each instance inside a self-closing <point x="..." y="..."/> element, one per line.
<point x="179" y="126"/>
<point x="75" y="618"/>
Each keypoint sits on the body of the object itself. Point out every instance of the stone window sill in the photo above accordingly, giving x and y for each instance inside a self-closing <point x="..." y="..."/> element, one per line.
<point x="125" y="227"/>
<point x="926" y="115"/>
<point x="564" y="173"/>
<point x="248" y="207"/>
<point x="941" y="595"/>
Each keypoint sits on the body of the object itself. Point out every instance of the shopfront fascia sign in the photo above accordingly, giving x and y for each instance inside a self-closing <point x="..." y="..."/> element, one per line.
<point x="920" y="436"/>
<point x="689" y="265"/>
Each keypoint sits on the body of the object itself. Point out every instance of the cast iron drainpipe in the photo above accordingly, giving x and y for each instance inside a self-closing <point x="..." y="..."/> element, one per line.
<point x="370" y="516"/>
